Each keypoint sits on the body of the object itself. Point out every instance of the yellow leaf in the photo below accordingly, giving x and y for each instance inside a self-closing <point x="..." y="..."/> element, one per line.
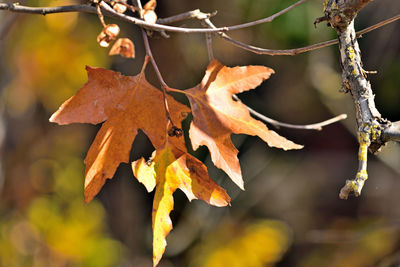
<point x="170" y="169"/>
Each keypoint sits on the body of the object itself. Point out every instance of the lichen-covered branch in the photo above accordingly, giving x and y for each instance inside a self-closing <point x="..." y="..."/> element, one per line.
<point x="373" y="131"/>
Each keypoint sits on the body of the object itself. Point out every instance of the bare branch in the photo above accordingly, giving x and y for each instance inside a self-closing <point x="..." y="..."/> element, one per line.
<point x="377" y="25"/>
<point x="187" y="15"/>
<point x="209" y="46"/>
<point x="392" y="133"/>
<point x="373" y="131"/>
<point x="149" y="55"/>
<point x="315" y="126"/>
<point x="110" y="12"/>
<point x="295" y="51"/>
<point x="191" y="14"/>
<point x="265" y="20"/>
<point x="47" y="10"/>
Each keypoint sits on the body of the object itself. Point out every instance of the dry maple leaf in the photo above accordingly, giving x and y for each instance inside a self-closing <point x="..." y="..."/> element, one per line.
<point x="216" y="115"/>
<point x="172" y="168"/>
<point x="126" y="103"/>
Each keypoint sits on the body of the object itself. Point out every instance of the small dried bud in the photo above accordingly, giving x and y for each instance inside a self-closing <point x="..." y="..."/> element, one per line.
<point x="123" y="47"/>
<point x="120" y="8"/>
<point x="175" y="131"/>
<point x="151" y="5"/>
<point x="150" y="16"/>
<point x="108" y="34"/>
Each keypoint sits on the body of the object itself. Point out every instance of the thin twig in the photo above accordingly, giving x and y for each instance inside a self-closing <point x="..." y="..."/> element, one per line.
<point x="314" y="126"/>
<point x="265" y="20"/>
<point x="110" y="12"/>
<point x="153" y="62"/>
<point x="209" y="46"/>
<point x="139" y="22"/>
<point x="377" y="25"/>
<point x="208" y="36"/>
<point x="295" y="51"/>
<point x="183" y="16"/>
<point x="139" y="6"/>
<point x="195" y="13"/>
<point x="149" y="54"/>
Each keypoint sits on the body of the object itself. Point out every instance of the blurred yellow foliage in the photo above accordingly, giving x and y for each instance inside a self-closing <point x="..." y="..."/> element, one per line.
<point x="359" y="244"/>
<point x="48" y="57"/>
<point x="256" y="244"/>
<point x="51" y="226"/>
<point x="57" y="229"/>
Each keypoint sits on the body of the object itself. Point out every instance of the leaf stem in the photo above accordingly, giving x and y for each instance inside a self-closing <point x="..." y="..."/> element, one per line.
<point x="100" y="14"/>
<point x="209" y="46"/>
<point x="149" y="54"/>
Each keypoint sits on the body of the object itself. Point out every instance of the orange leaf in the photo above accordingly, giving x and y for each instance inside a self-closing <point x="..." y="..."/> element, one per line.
<point x="216" y="115"/>
<point x="170" y="169"/>
<point x="127" y="103"/>
<point x="123" y="47"/>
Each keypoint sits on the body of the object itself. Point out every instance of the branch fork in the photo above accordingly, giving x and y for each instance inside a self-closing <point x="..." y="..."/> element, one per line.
<point x="373" y="131"/>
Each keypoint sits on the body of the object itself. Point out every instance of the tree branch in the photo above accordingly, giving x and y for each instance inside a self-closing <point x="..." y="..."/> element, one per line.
<point x="187" y="15"/>
<point x="108" y="11"/>
<point x="373" y="131"/>
<point x="183" y="16"/>
<point x="295" y="51"/>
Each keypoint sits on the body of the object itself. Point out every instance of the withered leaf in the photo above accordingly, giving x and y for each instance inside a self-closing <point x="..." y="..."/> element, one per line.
<point x="172" y="168"/>
<point x="127" y="104"/>
<point x="216" y="115"/>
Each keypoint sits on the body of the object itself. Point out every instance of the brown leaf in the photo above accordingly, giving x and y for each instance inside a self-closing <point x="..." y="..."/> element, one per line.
<point x="216" y="115"/>
<point x="170" y="169"/>
<point x="127" y="103"/>
<point x="123" y="47"/>
<point x="107" y="35"/>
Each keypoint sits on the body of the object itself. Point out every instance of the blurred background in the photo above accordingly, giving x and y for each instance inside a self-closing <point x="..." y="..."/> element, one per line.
<point x="290" y="213"/>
